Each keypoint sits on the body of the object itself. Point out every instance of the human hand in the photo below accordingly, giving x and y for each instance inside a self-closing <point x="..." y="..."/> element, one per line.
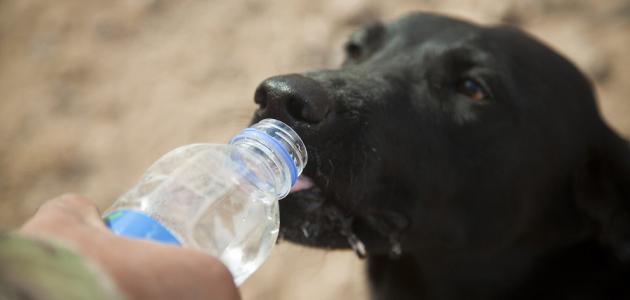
<point x="141" y="269"/>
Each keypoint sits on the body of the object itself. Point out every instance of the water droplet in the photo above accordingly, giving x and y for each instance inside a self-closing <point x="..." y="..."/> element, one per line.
<point x="280" y="237"/>
<point x="357" y="245"/>
<point x="346" y="230"/>
<point x="396" y="250"/>
<point x="304" y="228"/>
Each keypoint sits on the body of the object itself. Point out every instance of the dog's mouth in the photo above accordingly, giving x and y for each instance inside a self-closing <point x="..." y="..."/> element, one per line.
<point x="303" y="183"/>
<point x="326" y="209"/>
<point x="308" y="218"/>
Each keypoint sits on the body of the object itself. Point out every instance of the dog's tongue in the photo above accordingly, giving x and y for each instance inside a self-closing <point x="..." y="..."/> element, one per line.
<point x="302" y="183"/>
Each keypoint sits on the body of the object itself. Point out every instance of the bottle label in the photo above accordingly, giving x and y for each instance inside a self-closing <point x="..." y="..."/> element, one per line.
<point x="136" y="225"/>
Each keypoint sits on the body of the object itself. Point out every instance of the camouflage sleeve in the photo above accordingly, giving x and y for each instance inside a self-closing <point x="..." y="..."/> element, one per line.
<point x="37" y="269"/>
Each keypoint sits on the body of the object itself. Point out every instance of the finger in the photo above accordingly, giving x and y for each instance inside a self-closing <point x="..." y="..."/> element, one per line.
<point x="65" y="210"/>
<point x="79" y="207"/>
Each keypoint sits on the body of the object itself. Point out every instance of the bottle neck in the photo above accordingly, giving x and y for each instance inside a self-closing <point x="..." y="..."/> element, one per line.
<point x="263" y="166"/>
<point x="278" y="149"/>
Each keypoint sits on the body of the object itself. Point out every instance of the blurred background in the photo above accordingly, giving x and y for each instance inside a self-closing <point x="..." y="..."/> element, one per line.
<point x="92" y="92"/>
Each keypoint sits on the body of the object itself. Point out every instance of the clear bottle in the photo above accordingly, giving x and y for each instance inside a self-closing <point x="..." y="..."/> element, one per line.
<point x="220" y="199"/>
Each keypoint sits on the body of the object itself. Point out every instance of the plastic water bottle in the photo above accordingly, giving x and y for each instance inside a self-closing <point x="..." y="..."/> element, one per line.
<point x="220" y="199"/>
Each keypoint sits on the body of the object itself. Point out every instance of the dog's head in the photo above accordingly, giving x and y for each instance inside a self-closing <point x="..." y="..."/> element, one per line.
<point x="439" y="136"/>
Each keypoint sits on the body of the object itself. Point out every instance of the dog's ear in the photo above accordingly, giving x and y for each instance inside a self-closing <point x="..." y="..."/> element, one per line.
<point x="602" y="188"/>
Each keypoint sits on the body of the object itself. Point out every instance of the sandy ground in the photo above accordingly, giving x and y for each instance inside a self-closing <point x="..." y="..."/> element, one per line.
<point x="91" y="92"/>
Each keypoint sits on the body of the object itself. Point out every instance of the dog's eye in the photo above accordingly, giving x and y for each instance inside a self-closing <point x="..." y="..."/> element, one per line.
<point x="353" y="50"/>
<point x="472" y="89"/>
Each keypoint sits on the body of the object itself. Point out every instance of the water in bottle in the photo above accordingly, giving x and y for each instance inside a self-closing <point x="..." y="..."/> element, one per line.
<point x="220" y="199"/>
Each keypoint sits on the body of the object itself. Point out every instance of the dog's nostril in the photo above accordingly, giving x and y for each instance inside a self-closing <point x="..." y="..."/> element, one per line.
<point x="295" y="108"/>
<point x="261" y="97"/>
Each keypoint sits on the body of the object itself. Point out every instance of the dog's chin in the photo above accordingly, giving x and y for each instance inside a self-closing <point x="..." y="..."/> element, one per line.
<point x="307" y="218"/>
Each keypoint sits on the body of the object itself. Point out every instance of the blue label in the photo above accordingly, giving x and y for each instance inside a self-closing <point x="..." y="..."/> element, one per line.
<point x="136" y="225"/>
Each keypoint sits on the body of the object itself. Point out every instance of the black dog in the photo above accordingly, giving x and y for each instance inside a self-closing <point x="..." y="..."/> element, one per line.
<point x="464" y="162"/>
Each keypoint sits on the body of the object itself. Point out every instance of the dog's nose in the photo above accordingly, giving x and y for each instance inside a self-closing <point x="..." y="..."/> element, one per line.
<point x="295" y="96"/>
